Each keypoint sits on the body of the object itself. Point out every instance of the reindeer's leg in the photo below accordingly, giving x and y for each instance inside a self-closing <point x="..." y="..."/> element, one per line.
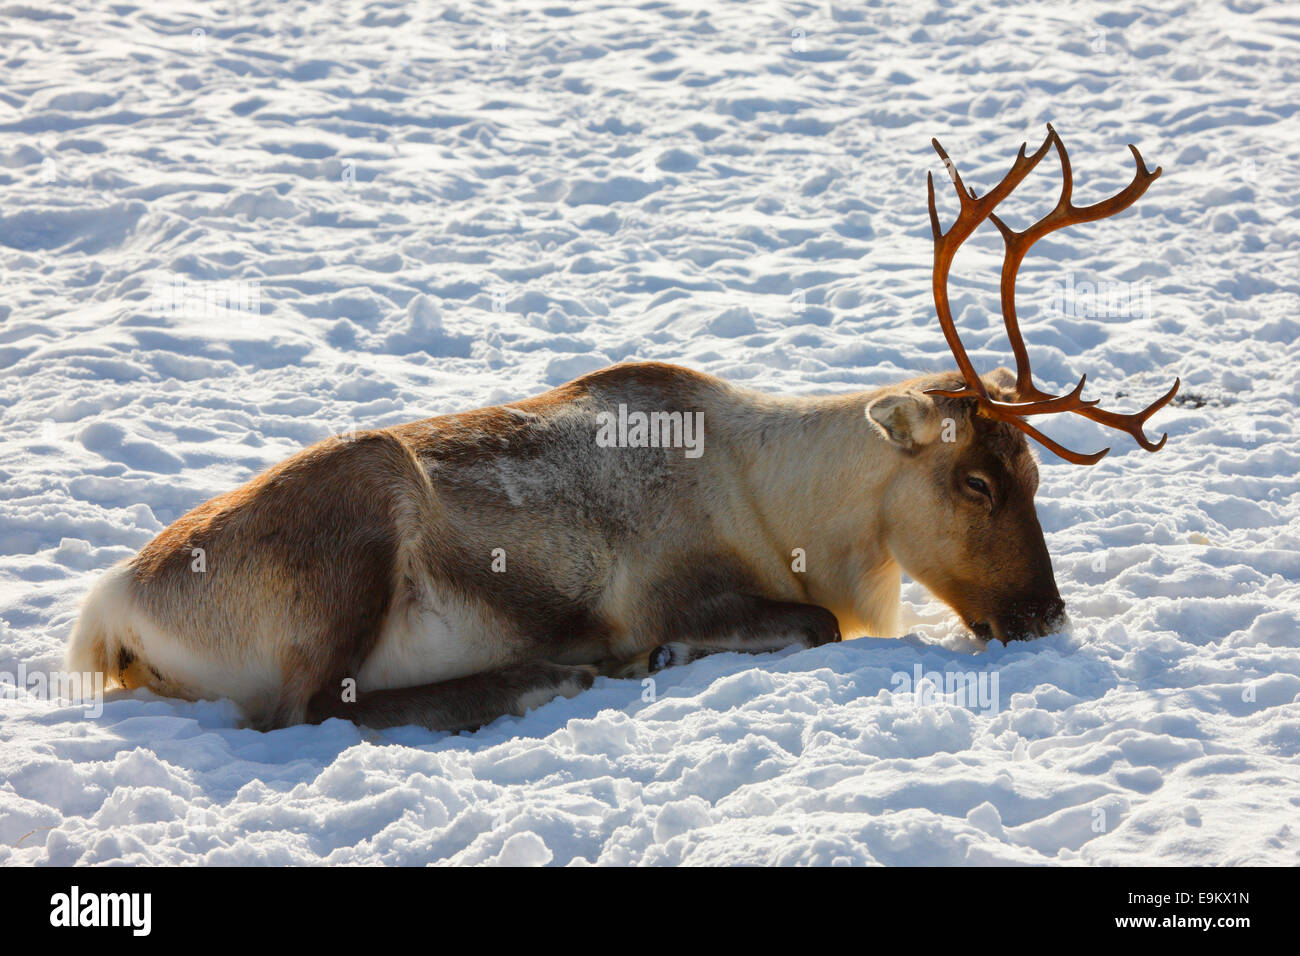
<point x="465" y="703"/>
<point x="733" y="622"/>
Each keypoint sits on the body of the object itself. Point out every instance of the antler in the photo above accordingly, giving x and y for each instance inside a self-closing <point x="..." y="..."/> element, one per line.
<point x="974" y="211"/>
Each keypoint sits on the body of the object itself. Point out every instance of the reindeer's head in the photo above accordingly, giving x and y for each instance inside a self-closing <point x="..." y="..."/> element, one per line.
<point x="981" y="548"/>
<point x="962" y="519"/>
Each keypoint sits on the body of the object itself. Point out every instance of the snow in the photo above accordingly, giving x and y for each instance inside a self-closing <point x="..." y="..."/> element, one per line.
<point x="451" y="206"/>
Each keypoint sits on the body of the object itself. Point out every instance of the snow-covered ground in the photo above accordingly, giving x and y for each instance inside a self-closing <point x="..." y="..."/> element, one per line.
<point x="450" y="205"/>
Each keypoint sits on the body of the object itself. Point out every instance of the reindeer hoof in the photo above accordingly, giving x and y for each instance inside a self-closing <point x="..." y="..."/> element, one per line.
<point x="822" y="628"/>
<point x="660" y="658"/>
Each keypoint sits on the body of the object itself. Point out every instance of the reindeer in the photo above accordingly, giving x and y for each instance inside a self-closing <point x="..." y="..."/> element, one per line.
<point x="464" y="567"/>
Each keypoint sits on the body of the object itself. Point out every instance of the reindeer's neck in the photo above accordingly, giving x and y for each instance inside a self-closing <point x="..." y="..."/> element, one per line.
<point x="811" y="475"/>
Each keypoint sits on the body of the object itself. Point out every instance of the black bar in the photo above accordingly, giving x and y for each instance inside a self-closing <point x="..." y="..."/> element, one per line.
<point x="224" y="906"/>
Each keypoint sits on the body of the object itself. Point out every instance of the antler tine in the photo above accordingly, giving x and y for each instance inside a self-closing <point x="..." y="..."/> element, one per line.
<point x="1074" y="457"/>
<point x="1070" y="401"/>
<point x="1133" y="422"/>
<point x="956" y="182"/>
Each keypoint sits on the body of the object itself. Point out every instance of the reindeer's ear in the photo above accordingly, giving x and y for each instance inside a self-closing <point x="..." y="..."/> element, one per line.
<point x="908" y="419"/>
<point x="1001" y="383"/>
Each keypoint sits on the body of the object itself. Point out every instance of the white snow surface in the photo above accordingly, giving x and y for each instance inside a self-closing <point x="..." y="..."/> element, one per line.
<point x="453" y="205"/>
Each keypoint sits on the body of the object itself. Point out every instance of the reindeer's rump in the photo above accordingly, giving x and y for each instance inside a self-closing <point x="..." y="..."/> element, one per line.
<point x="266" y="592"/>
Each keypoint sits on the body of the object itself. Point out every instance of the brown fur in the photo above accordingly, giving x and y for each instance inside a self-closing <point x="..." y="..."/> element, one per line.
<point x="372" y="560"/>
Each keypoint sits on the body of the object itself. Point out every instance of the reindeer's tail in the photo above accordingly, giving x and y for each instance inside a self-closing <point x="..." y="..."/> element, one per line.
<point x="104" y="639"/>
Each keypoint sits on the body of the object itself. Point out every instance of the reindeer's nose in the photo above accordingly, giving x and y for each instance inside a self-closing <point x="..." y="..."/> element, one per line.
<point x="1022" y="620"/>
<point x="1048" y="616"/>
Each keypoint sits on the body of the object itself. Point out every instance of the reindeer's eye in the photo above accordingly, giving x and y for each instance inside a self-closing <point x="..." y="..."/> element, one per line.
<point x="979" y="485"/>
